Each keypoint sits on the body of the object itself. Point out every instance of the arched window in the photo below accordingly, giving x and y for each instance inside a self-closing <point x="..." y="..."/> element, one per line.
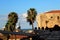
<point x="51" y="17"/>
<point x="58" y="17"/>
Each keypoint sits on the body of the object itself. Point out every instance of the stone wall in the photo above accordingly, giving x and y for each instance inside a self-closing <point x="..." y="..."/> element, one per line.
<point x="48" y="19"/>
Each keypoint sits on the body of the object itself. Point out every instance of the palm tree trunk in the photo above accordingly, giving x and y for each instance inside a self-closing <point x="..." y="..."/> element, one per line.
<point x="32" y="26"/>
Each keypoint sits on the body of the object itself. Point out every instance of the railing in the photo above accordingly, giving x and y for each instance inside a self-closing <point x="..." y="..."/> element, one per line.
<point x="41" y="35"/>
<point x="16" y="33"/>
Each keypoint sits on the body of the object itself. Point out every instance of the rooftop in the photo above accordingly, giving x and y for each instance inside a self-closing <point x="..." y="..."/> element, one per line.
<point x="53" y="11"/>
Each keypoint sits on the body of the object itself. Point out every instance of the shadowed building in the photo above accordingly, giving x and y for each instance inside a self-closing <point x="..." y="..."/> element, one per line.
<point x="48" y="19"/>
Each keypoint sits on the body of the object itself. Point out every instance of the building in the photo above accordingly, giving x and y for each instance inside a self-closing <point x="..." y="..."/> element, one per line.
<point x="48" y="19"/>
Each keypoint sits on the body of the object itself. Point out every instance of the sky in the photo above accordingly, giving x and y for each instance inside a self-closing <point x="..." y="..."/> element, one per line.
<point x="21" y="7"/>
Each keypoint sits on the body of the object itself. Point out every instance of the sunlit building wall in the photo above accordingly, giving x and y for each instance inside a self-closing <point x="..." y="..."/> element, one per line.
<point x="48" y="19"/>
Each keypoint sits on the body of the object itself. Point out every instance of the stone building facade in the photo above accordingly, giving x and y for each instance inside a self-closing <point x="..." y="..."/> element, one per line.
<point x="48" y="19"/>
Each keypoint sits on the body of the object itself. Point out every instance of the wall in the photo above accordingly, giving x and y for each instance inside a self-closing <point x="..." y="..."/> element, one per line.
<point x="48" y="19"/>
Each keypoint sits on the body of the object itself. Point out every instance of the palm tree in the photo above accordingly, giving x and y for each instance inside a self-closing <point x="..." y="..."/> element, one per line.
<point x="11" y="23"/>
<point x="31" y="16"/>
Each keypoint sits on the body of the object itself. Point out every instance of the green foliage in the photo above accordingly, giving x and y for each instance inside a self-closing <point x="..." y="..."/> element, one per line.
<point x="31" y="16"/>
<point x="11" y="23"/>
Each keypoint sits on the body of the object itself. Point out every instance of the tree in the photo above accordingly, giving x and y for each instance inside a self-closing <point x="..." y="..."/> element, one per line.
<point x="11" y="23"/>
<point x="31" y="16"/>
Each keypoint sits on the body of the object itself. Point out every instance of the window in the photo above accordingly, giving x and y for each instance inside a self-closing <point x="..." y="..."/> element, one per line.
<point x="58" y="17"/>
<point x="51" y="17"/>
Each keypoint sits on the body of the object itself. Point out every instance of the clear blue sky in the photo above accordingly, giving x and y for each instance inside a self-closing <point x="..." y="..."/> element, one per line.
<point x="21" y="6"/>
